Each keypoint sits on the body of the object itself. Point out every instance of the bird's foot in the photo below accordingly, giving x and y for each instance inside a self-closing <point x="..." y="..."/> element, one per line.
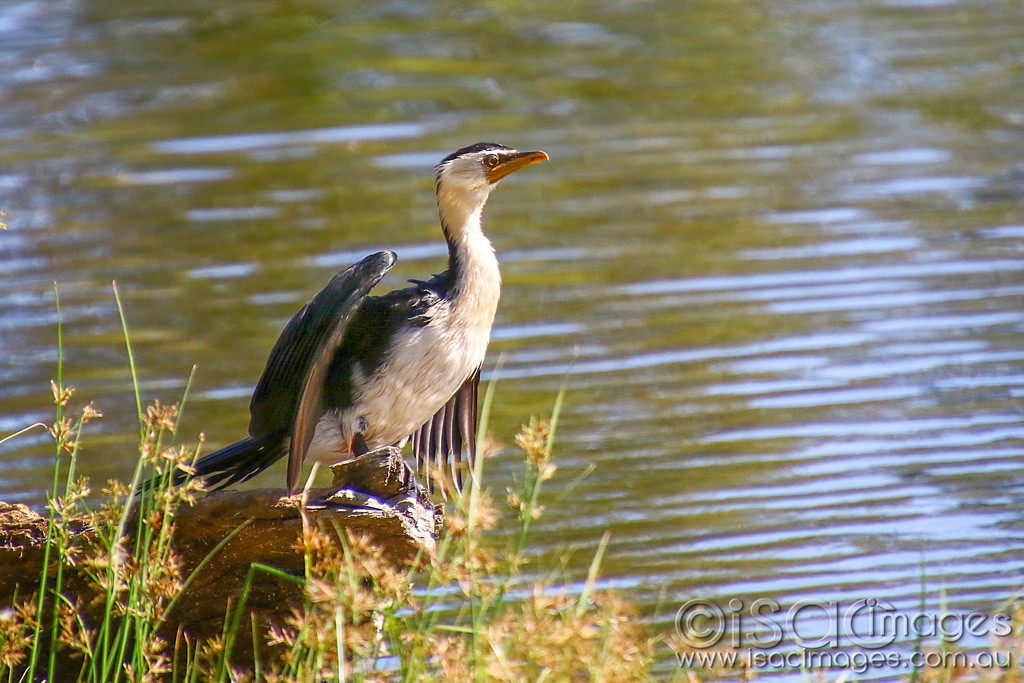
<point x="381" y="472"/>
<point x="359" y="446"/>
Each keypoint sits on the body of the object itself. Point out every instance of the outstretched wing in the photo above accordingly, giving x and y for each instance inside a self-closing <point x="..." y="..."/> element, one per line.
<point x="448" y="436"/>
<point x="287" y="398"/>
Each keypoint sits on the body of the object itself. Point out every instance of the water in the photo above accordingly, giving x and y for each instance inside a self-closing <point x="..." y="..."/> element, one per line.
<point x="776" y="257"/>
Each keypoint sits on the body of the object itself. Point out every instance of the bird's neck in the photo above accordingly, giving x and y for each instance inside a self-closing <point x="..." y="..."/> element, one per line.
<point x="473" y="277"/>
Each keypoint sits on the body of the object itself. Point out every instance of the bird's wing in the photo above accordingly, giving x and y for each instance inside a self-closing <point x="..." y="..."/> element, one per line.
<point x="449" y="436"/>
<point x="288" y="395"/>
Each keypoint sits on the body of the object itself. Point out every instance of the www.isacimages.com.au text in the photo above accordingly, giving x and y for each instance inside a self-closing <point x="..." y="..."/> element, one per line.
<point x="858" y="662"/>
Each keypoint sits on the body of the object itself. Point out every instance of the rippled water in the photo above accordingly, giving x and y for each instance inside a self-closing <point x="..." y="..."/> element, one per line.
<point x="777" y="257"/>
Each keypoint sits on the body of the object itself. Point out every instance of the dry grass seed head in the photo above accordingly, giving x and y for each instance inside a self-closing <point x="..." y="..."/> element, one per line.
<point x="160" y="417"/>
<point x="16" y="627"/>
<point x="61" y="395"/>
<point x="452" y="658"/>
<point x="485" y="517"/>
<point x="116" y="490"/>
<point x="513" y="500"/>
<point x="549" y="636"/>
<point x="486" y="513"/>
<point x="61" y="431"/>
<point x="108" y="515"/>
<point x="533" y="439"/>
<point x="109" y="571"/>
<point x="324" y="553"/>
<point x="163" y="581"/>
<point x="157" y="663"/>
<point x="90" y="413"/>
<point x="351" y="577"/>
<point x="74" y="634"/>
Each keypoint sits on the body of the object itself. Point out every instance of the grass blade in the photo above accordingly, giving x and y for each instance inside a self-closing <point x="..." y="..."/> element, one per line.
<point x="24" y="430"/>
<point x="592" y="573"/>
<point x="41" y="602"/>
<point x="131" y="359"/>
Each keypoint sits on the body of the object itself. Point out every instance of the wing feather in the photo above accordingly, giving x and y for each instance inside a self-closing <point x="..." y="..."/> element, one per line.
<point x="425" y="444"/>
<point x="288" y="396"/>
<point x="449" y="437"/>
<point x="437" y="456"/>
<point x="453" y="439"/>
<point x="466" y="418"/>
<point x="347" y="291"/>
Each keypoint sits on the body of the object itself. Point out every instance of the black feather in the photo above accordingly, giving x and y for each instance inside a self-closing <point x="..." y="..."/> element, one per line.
<point x="449" y="436"/>
<point x="475" y="148"/>
<point x="279" y="392"/>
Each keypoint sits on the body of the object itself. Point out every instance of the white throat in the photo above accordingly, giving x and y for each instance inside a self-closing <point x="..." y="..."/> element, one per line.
<point x="476" y="283"/>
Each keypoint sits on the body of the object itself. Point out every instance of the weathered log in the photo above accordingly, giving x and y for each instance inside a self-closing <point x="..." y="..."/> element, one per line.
<point x="375" y="495"/>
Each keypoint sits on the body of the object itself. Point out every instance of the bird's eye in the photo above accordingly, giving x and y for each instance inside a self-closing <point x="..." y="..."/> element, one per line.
<point x="491" y="160"/>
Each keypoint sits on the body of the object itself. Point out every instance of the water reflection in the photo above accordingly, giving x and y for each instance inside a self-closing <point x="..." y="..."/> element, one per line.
<point x="777" y="252"/>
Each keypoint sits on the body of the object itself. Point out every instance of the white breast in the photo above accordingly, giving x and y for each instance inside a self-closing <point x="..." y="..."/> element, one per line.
<point x="424" y="368"/>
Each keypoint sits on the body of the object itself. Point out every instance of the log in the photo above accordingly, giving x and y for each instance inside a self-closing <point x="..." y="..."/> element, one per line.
<point x="376" y="495"/>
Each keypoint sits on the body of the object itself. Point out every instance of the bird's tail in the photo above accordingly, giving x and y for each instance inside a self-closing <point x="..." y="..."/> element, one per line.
<point x="236" y="463"/>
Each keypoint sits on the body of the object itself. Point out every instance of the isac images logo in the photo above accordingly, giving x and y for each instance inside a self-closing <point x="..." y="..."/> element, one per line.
<point x="830" y="635"/>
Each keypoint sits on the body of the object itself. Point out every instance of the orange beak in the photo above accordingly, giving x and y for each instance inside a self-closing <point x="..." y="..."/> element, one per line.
<point x="514" y="163"/>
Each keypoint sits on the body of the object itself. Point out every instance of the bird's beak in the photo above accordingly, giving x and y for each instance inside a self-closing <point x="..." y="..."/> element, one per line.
<point x="514" y="163"/>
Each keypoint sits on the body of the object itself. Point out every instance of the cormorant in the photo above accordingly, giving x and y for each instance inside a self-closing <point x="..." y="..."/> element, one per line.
<point x="351" y="373"/>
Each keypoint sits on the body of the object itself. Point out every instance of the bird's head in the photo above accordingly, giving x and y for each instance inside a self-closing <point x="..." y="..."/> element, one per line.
<point x="466" y="177"/>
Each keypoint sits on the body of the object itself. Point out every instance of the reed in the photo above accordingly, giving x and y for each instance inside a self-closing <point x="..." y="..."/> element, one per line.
<point x="469" y="613"/>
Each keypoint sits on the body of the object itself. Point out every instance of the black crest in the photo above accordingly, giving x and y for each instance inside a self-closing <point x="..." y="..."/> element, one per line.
<point x="474" y="148"/>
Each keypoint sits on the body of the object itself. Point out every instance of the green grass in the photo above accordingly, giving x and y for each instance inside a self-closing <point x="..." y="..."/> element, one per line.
<point x="465" y="614"/>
